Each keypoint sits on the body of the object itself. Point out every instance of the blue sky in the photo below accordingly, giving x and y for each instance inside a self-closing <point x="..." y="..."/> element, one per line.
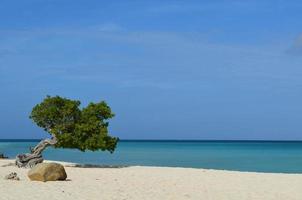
<point x="169" y="69"/>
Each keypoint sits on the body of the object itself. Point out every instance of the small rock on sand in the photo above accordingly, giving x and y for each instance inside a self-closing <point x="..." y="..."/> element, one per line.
<point x="12" y="176"/>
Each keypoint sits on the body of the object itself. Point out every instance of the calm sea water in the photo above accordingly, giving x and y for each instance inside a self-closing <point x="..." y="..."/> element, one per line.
<point x="283" y="157"/>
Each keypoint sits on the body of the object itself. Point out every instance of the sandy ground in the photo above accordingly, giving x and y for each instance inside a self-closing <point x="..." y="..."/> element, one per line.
<point x="158" y="183"/>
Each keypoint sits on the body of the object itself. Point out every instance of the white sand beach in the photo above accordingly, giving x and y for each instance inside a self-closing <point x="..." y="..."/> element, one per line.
<point x="158" y="183"/>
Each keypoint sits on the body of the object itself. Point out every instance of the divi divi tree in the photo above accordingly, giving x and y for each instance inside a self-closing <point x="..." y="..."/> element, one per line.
<point x="70" y="126"/>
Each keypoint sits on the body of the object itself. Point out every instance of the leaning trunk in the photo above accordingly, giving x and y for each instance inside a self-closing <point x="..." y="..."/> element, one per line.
<point x="29" y="160"/>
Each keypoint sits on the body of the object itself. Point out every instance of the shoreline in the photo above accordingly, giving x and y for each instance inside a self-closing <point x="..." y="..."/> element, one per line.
<point x="141" y="182"/>
<point x="100" y="166"/>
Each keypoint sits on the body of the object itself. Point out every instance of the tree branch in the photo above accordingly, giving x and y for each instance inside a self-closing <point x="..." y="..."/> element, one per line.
<point x="31" y="159"/>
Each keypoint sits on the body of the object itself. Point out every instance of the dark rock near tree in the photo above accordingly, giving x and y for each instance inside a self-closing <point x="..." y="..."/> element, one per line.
<point x="47" y="172"/>
<point x="2" y="156"/>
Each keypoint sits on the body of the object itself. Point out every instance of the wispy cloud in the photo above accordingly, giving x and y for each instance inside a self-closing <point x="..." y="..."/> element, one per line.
<point x="228" y="6"/>
<point x="176" y="8"/>
<point x="4" y="52"/>
<point x="163" y="60"/>
<point x="108" y="27"/>
<point x="296" y="47"/>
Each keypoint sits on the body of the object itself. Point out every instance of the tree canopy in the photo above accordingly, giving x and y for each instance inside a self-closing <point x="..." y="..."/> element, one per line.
<point x="74" y="127"/>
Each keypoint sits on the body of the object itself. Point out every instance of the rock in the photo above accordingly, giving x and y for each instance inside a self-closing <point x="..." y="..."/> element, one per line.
<point x="47" y="172"/>
<point x="12" y="176"/>
<point x="2" y="156"/>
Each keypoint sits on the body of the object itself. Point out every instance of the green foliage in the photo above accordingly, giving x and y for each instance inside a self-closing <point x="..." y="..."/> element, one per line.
<point x="83" y="129"/>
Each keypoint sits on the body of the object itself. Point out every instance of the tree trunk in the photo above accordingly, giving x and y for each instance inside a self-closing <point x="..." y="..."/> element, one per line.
<point x="29" y="160"/>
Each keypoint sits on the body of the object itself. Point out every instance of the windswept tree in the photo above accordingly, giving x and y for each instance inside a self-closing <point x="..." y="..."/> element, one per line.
<point x="70" y="126"/>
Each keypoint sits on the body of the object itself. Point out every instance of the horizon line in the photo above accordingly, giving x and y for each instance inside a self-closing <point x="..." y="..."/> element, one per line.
<point x="172" y="140"/>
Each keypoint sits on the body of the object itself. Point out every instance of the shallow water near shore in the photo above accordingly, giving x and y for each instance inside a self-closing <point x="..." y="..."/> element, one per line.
<point x="281" y="157"/>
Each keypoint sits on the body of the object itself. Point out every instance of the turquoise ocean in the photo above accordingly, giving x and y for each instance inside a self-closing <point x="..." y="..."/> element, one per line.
<point x="256" y="156"/>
